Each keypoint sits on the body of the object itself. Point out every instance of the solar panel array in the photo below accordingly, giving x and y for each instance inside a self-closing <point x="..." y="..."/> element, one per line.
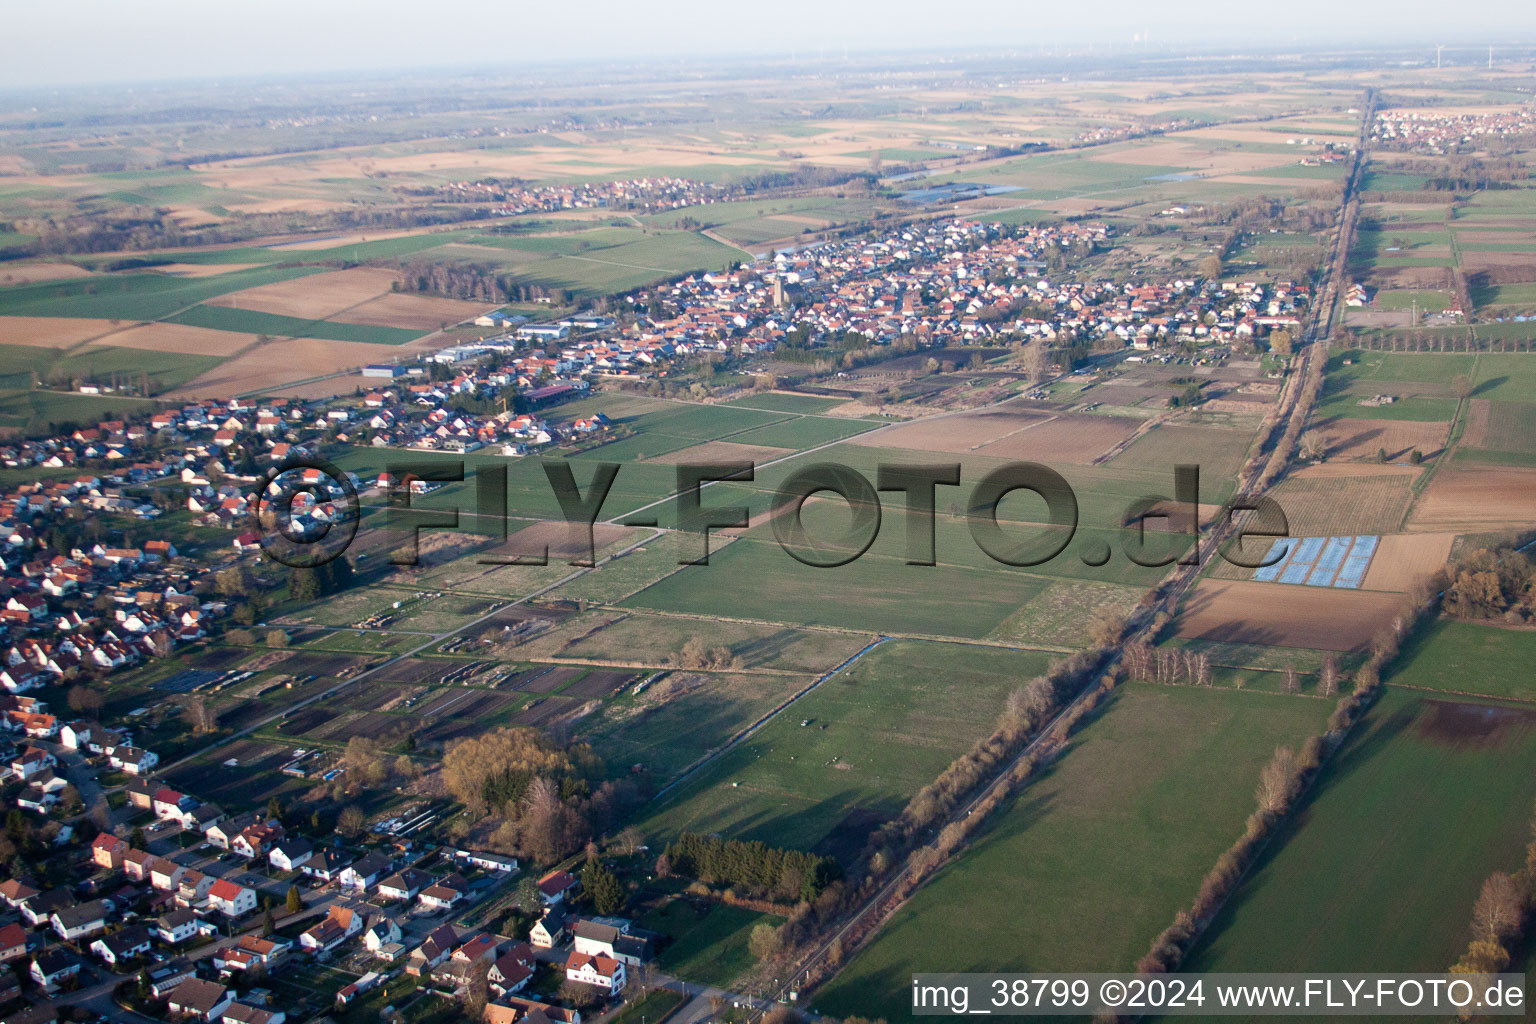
<point x="1318" y="561"/>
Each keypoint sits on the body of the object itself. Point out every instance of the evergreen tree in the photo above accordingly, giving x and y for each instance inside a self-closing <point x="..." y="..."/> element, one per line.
<point x="303" y="584"/>
<point x="604" y="887"/>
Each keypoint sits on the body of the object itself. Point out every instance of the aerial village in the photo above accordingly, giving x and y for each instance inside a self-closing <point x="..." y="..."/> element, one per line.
<point x="162" y="903"/>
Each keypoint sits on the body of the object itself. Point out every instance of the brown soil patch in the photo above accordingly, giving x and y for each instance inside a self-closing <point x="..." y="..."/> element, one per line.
<point x="1177" y="153"/>
<point x="1318" y="618"/>
<point x="31" y="273"/>
<point x="1402" y="559"/>
<point x="315" y="297"/>
<point x="961" y="433"/>
<point x="204" y="269"/>
<point x="417" y="312"/>
<point x="1331" y="470"/>
<point x="720" y="451"/>
<point x="51" y="331"/>
<point x="563" y="541"/>
<point x="1477" y="500"/>
<point x="1525" y="263"/>
<point x="1363" y="439"/>
<point x="1475" y="434"/>
<point x="164" y="337"/>
<point x="1464" y="724"/>
<point x="272" y="366"/>
<point x="1076" y="439"/>
<point x="332" y="241"/>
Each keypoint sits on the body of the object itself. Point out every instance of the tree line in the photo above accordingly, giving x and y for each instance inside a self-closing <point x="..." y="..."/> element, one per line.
<point x="1027" y="710"/>
<point x="751" y="866"/>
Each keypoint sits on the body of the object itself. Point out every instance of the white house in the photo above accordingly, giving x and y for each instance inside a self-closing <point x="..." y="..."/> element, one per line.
<point x="365" y="871"/>
<point x="600" y="972"/>
<point x="289" y="854"/>
<point x="383" y="933"/>
<point x="230" y="899"/>
<point x="177" y="926"/>
<point x="339" y="925"/>
<point x="72" y="923"/>
<point x="122" y="946"/>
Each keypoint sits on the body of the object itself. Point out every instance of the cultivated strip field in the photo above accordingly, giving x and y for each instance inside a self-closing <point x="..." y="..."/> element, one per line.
<point x="1245" y="612"/>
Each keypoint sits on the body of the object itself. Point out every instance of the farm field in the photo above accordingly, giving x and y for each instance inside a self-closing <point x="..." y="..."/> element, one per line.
<point x="872" y="594"/>
<point x="1363" y="440"/>
<point x="1379" y="497"/>
<point x="1500" y="431"/>
<point x="1094" y="857"/>
<point x="1466" y="498"/>
<point x="649" y="640"/>
<point x="872" y="735"/>
<point x="1427" y="796"/>
<point x="1277" y="614"/>
<point x="1420" y="383"/>
<point x="1469" y="657"/>
<point x="680" y="718"/>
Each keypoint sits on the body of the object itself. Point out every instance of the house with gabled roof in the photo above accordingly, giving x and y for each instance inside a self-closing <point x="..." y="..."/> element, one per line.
<point x="601" y="972"/>
<point x="121" y="946"/>
<point x="339" y="924"/>
<point x="200" y="1000"/>
<point x="437" y="947"/>
<point x="230" y="899"/>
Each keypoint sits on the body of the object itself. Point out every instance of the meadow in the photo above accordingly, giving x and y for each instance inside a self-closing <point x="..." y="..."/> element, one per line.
<point x="666" y="735"/>
<point x="1469" y="657"/>
<point x="252" y="321"/>
<point x="850" y="753"/>
<point x="1091" y="859"/>
<point x="1427" y="797"/>
<point x="709" y="944"/>
<point x="131" y="297"/>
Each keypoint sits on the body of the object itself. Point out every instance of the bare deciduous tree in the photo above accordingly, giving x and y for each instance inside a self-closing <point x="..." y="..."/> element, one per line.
<point x="1328" y="677"/>
<point x="1277" y="782"/>
<point x="1499" y="909"/>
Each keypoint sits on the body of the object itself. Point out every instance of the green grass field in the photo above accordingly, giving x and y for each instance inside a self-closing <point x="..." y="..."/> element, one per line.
<point x="876" y="733"/>
<point x="166" y="370"/>
<point x="1421" y="383"/>
<point x="1466" y="657"/>
<point x="1093" y="859"/>
<point x="38" y="412"/>
<point x="251" y="321"/>
<point x="130" y="297"/>
<point x="1427" y="797"/>
<point x="774" y="401"/>
<point x="668" y="736"/>
<point x="708" y="947"/>
<point x="756" y="579"/>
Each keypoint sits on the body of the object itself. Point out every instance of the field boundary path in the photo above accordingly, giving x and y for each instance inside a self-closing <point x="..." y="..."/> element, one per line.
<point x="744" y="734"/>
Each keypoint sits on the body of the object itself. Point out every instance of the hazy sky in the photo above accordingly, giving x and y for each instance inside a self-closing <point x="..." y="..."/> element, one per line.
<point x="57" y="42"/>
